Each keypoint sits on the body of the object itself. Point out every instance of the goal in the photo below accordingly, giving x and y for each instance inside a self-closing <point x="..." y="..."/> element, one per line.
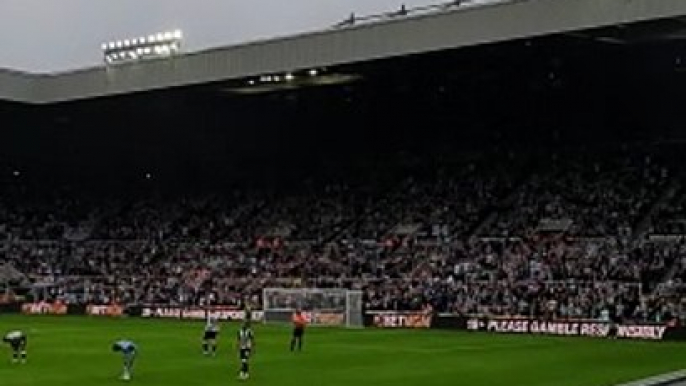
<point x="321" y="306"/>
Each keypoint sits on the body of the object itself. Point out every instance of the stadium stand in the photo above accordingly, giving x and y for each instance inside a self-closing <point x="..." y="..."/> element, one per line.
<point x="525" y="184"/>
<point x="558" y="240"/>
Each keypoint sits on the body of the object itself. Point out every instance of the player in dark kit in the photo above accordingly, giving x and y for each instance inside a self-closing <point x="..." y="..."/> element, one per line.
<point x="248" y="312"/>
<point x="245" y="340"/>
<point x="209" y="338"/>
<point x="299" y="323"/>
<point x="17" y="341"/>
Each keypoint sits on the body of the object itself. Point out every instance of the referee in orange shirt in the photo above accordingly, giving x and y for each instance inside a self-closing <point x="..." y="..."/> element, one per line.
<point x="299" y="323"/>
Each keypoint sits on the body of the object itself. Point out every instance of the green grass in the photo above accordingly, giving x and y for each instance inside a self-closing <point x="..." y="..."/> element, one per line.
<point x="66" y="351"/>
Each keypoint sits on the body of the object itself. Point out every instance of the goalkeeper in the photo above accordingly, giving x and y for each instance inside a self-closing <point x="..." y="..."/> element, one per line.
<point x="299" y="324"/>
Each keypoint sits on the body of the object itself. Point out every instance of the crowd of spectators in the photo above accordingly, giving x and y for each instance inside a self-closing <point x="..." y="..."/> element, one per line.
<point x="670" y="218"/>
<point x="600" y="197"/>
<point x="561" y="240"/>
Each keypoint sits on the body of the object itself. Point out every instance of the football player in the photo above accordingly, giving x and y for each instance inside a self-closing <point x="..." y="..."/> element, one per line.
<point x="17" y="341"/>
<point x="129" y="351"/>
<point x="245" y="341"/>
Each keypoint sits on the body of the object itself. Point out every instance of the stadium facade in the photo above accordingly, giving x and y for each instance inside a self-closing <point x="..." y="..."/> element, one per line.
<point x="396" y="37"/>
<point x="404" y="157"/>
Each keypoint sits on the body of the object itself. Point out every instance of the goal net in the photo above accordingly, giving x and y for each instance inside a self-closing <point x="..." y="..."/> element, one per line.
<point x="321" y="307"/>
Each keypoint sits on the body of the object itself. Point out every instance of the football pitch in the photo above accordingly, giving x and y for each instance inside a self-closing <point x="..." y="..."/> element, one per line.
<point x="67" y="351"/>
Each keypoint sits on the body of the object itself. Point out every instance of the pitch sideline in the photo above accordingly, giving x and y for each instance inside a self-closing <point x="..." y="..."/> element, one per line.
<point x="676" y="378"/>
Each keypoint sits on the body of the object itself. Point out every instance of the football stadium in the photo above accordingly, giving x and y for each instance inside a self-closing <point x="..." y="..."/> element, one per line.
<point x="469" y="193"/>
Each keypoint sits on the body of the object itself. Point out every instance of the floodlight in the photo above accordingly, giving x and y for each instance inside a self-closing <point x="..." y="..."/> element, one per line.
<point x="313" y="72"/>
<point x="289" y="77"/>
<point x="251" y="82"/>
<point x="159" y="44"/>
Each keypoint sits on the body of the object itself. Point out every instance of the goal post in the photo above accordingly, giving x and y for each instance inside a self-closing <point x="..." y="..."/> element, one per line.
<point x="321" y="306"/>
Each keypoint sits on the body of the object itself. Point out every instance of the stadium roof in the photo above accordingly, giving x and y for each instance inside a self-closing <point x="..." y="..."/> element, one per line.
<point x="396" y="36"/>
